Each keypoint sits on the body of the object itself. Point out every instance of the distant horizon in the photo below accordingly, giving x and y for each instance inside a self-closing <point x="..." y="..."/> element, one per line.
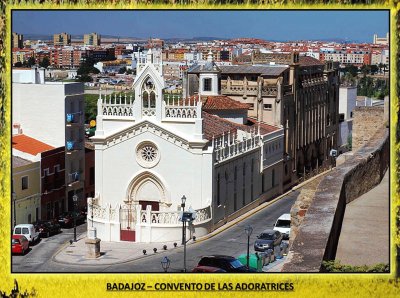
<point x="287" y="25"/>
<point x="79" y="36"/>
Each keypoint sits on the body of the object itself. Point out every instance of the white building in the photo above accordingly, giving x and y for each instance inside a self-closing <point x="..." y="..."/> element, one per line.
<point x="53" y="113"/>
<point x="149" y="152"/>
<point x="347" y="103"/>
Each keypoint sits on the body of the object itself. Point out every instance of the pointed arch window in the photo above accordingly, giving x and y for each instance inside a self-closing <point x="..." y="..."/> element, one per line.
<point x="149" y="97"/>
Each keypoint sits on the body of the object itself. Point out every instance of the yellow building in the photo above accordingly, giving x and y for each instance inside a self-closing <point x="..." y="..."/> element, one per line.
<point x="62" y="39"/>
<point x="92" y="39"/>
<point x="25" y="205"/>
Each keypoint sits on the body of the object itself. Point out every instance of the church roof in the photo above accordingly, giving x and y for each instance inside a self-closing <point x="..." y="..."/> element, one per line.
<point x="214" y="126"/>
<point x="222" y="102"/>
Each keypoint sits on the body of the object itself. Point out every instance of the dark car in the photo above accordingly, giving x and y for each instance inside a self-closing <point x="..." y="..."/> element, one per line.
<point x="268" y="239"/>
<point x="207" y="269"/>
<point x="47" y="228"/>
<point x="66" y="220"/>
<point x="227" y="263"/>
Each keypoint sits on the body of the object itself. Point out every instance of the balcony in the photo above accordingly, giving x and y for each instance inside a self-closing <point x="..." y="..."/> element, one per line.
<point x="73" y="178"/>
<point x="74" y="118"/>
<point x="72" y="146"/>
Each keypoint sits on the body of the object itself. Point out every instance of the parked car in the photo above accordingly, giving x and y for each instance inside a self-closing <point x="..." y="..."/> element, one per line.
<point x="19" y="244"/>
<point x="47" y="228"/>
<point x="66" y="220"/>
<point x="207" y="269"/>
<point x="268" y="239"/>
<point x="283" y="225"/>
<point x="29" y="231"/>
<point x="226" y="263"/>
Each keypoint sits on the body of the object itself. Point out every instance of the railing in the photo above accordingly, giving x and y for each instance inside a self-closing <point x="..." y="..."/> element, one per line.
<point x="142" y="217"/>
<point x="74" y="118"/>
<point x="231" y="145"/>
<point x="121" y="105"/>
<point x="149" y="112"/>
<point x="177" y="107"/>
<point x="73" y="177"/>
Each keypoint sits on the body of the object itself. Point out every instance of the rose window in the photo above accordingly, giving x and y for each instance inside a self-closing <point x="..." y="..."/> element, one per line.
<point x="147" y="154"/>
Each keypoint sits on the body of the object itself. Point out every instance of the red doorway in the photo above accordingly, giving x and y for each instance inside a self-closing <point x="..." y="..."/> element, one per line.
<point x="155" y="206"/>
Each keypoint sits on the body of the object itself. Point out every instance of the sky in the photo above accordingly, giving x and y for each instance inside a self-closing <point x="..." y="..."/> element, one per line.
<point x="269" y="25"/>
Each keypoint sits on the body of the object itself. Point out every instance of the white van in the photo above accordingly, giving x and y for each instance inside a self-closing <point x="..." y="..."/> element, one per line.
<point x="28" y="230"/>
<point x="283" y="225"/>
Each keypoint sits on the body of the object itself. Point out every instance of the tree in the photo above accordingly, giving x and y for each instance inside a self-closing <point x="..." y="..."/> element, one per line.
<point x="18" y="64"/>
<point x="122" y="70"/>
<point x="30" y="62"/>
<point x="85" y="78"/>
<point x="352" y="69"/>
<point x="45" y="62"/>
<point x="129" y="71"/>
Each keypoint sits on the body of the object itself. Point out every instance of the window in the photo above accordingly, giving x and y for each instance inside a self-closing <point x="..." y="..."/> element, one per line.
<point x="207" y="84"/>
<point x="251" y="106"/>
<point x="267" y="106"/>
<point x="25" y="182"/>
<point x="218" y="190"/>
<point x="235" y="189"/>
<point x="252" y="178"/>
<point x="244" y="184"/>
<point x="273" y="178"/>
<point x="91" y="176"/>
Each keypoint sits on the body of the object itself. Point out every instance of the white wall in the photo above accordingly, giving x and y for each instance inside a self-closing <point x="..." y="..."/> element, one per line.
<point x="40" y="109"/>
<point x="347" y="100"/>
<point x="190" y="176"/>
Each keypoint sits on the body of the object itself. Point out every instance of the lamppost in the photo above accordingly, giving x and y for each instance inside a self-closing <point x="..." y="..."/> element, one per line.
<point x="248" y="231"/>
<point x="14" y="198"/>
<point x="183" y="233"/>
<point x="75" y="199"/>
<point x="165" y="262"/>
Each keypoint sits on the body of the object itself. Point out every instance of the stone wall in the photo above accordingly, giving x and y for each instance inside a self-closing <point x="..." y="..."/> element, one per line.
<point x="367" y="121"/>
<point x="300" y="207"/>
<point x="319" y="232"/>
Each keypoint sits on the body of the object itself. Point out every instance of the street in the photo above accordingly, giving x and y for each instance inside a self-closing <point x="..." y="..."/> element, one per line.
<point x="232" y="241"/>
<point x="39" y="255"/>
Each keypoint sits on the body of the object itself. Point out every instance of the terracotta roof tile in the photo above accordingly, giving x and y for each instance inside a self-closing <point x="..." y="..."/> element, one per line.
<point x="214" y="126"/>
<point x="29" y="145"/>
<point x="309" y="61"/>
<point x="222" y="102"/>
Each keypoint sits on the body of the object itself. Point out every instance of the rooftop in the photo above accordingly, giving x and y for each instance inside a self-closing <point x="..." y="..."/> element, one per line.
<point x="214" y="126"/>
<point x="270" y="70"/>
<point x="29" y="145"/>
<point x="222" y="102"/>
<point x="19" y="162"/>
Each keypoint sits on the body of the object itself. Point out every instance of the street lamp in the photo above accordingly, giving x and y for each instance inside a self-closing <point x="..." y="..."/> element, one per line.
<point x="75" y="199"/>
<point x="248" y="231"/>
<point x="165" y="262"/>
<point x="183" y="233"/>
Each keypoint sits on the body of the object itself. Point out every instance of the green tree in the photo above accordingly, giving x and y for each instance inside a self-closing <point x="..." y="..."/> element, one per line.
<point x="85" y="78"/>
<point x="18" y="64"/>
<point x="30" y="62"/>
<point x="45" y="62"/>
<point x="352" y="69"/>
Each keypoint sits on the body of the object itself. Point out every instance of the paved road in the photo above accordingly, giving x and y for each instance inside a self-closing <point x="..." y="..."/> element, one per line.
<point x="39" y="255"/>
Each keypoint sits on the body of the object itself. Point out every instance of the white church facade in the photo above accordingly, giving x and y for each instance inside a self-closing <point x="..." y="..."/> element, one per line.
<point x="151" y="149"/>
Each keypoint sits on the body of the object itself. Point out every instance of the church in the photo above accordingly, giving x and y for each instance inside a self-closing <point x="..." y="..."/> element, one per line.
<point x="152" y="148"/>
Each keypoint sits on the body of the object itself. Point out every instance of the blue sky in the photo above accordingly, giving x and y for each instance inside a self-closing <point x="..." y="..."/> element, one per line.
<point x="270" y="25"/>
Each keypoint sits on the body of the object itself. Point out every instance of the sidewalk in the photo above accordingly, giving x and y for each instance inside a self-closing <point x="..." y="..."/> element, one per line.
<point x="364" y="239"/>
<point x="111" y="252"/>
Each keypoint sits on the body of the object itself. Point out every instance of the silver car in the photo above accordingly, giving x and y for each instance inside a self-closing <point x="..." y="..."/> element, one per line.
<point x="268" y="239"/>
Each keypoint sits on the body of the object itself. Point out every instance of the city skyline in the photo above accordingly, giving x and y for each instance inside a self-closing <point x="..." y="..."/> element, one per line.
<point x="358" y="26"/>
